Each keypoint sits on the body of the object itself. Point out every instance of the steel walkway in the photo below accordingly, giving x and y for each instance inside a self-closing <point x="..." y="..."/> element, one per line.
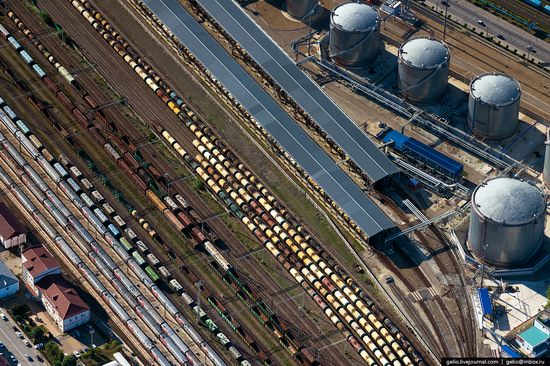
<point x="273" y="118"/>
<point x="357" y="145"/>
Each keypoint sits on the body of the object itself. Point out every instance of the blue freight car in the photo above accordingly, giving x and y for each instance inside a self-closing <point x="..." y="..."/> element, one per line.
<point x="534" y="3"/>
<point x="546" y="9"/>
<point x="424" y="154"/>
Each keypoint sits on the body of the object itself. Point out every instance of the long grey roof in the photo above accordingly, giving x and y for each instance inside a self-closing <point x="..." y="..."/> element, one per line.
<point x="510" y="201"/>
<point x="301" y="88"/>
<point x="274" y="119"/>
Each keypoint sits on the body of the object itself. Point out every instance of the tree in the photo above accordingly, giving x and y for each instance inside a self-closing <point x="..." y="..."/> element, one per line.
<point x="53" y="353"/>
<point x="548" y="297"/>
<point x="19" y="310"/>
<point x="68" y="361"/>
<point x="198" y="185"/>
<point x="37" y="334"/>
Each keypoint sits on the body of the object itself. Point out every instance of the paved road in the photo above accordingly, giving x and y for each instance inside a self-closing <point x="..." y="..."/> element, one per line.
<point x="15" y="345"/>
<point x="515" y="37"/>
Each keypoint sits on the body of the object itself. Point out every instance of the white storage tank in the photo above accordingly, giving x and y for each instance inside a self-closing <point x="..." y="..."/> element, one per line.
<point x="507" y="219"/>
<point x="301" y="9"/>
<point x="493" y="107"/>
<point x="354" y="34"/>
<point x="423" y="69"/>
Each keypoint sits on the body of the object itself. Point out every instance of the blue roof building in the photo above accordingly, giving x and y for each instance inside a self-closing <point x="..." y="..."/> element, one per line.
<point x="426" y="155"/>
<point x="535" y="340"/>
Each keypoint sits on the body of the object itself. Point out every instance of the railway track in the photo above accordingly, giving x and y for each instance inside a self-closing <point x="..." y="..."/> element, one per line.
<point x="22" y="199"/>
<point x="203" y="163"/>
<point x="466" y="337"/>
<point x="526" y="11"/>
<point x="64" y="218"/>
<point x="231" y="348"/>
<point x="69" y="186"/>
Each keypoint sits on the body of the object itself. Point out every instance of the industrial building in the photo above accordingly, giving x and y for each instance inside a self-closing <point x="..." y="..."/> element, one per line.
<point x="12" y="231"/>
<point x="423" y="155"/>
<point x="9" y="284"/>
<point x="354" y="34"/>
<point x="493" y="106"/>
<point x="507" y="221"/>
<point x="423" y="69"/>
<point x="301" y="9"/>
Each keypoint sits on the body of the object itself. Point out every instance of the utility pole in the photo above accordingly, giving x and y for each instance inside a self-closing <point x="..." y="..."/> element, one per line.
<point x="483" y="265"/>
<point x="309" y="32"/>
<point x="445" y="22"/>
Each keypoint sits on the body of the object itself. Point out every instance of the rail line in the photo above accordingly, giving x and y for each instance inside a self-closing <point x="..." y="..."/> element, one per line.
<point x="181" y="214"/>
<point x="65" y="219"/>
<point x="205" y="166"/>
<point x="466" y="341"/>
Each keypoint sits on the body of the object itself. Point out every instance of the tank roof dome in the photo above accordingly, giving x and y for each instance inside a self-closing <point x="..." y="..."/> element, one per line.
<point x="424" y="52"/>
<point x="497" y="89"/>
<point x="510" y="201"/>
<point x="354" y="16"/>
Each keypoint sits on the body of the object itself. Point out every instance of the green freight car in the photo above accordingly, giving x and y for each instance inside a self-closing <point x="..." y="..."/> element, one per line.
<point x="139" y="259"/>
<point x="126" y="244"/>
<point x="152" y="274"/>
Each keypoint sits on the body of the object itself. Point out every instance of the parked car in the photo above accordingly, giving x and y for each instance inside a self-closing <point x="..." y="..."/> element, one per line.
<point x="481" y="22"/>
<point x="444" y="3"/>
<point x="39" y="345"/>
<point x="500" y="36"/>
<point x="28" y="357"/>
<point x="27" y="343"/>
<point x="18" y="333"/>
<point x="14" y="328"/>
<point x="4" y="317"/>
<point x="40" y="359"/>
<point x="76" y="354"/>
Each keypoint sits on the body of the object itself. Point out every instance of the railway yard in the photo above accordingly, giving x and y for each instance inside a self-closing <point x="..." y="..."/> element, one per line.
<point x="279" y="182"/>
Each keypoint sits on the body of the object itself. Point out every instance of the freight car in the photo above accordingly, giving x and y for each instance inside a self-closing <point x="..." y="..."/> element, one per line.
<point x="262" y="228"/>
<point x="100" y="257"/>
<point x="216" y="361"/>
<point x="83" y="268"/>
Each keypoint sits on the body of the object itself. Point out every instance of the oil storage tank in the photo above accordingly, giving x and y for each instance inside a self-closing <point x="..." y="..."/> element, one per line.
<point x="301" y="9"/>
<point x="423" y="69"/>
<point x="493" y="106"/>
<point x="507" y="221"/>
<point x="354" y="34"/>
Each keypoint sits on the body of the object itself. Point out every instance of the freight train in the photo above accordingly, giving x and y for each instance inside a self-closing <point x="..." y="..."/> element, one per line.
<point x="538" y="4"/>
<point x="65" y="218"/>
<point x="65" y="248"/>
<point x="309" y="269"/>
<point x="107" y="208"/>
<point x="179" y="102"/>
